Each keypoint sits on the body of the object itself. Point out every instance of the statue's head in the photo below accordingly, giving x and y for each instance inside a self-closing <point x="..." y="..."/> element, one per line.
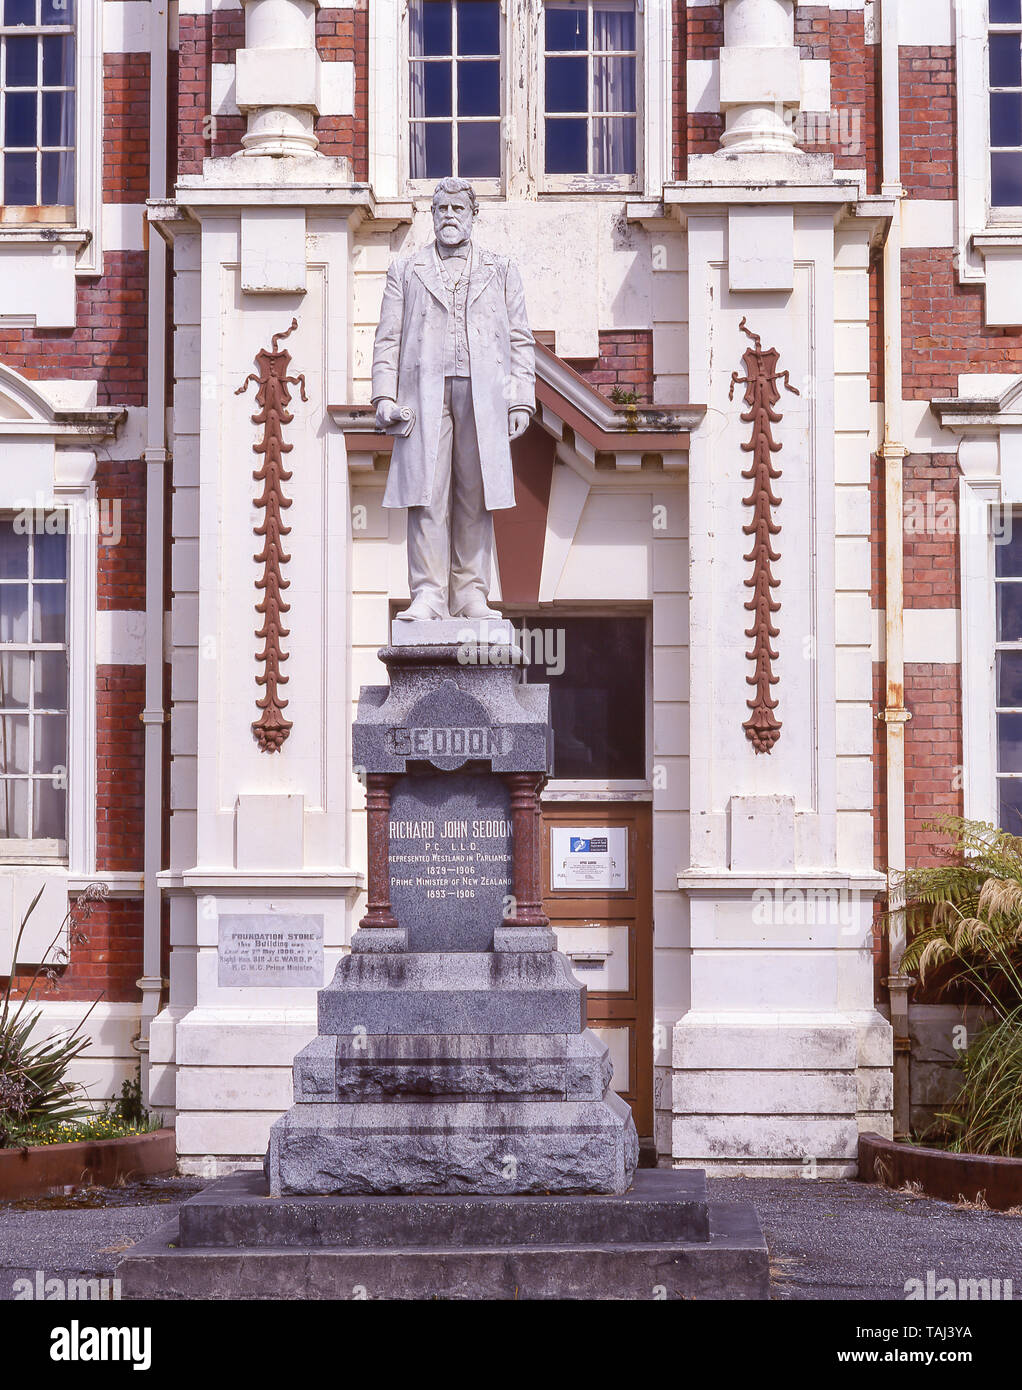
<point x="454" y="210"/>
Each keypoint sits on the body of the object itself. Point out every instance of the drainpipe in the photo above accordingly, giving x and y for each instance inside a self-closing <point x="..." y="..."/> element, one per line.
<point x="151" y="983"/>
<point x="892" y="452"/>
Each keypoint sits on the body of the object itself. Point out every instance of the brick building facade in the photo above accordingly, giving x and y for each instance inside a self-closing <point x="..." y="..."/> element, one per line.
<point x="844" y="182"/>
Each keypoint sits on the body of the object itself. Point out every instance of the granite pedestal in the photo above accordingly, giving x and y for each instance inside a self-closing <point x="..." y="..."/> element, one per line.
<point x="660" y="1240"/>
<point x="453" y="1054"/>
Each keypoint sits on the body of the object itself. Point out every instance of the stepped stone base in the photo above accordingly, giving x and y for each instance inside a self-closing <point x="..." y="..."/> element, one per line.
<point x="452" y="992"/>
<point x="494" y="1066"/>
<point x="454" y="1146"/>
<point x="659" y="1240"/>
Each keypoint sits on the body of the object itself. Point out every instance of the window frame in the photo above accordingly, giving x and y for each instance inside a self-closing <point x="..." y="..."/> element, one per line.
<point x="84" y="229"/>
<point x="522" y="163"/>
<point x="35" y="849"/>
<point x="73" y="493"/>
<point x="50" y="214"/>
<point x="998" y="214"/>
<point x="484" y="187"/>
<point x="589" y="182"/>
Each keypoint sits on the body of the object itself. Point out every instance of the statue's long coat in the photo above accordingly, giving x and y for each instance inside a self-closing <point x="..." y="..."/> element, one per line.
<point x="408" y="366"/>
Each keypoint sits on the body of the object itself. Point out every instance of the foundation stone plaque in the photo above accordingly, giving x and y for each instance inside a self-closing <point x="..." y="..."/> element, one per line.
<point x="270" y="949"/>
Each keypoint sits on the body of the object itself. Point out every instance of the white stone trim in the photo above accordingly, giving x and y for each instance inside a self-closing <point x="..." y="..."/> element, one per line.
<point x="928" y="222"/>
<point x="703" y="84"/>
<point x="89" y="135"/>
<point x="924" y="23"/>
<point x="123" y="226"/>
<point x="120" y="637"/>
<point x="932" y="636"/>
<point x="126" y="26"/>
<point x="385" y="147"/>
<point x="221" y="90"/>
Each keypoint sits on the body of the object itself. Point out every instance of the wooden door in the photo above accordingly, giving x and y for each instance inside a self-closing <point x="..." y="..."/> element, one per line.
<point x="607" y="931"/>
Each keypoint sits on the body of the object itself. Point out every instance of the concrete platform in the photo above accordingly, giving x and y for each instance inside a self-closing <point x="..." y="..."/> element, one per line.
<point x="659" y="1240"/>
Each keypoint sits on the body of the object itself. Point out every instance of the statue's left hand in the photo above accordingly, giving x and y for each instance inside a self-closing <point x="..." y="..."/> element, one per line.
<point x="517" y="423"/>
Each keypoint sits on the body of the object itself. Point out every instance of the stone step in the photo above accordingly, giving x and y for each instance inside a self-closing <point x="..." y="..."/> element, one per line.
<point x="501" y="1147"/>
<point x="472" y="1066"/>
<point x="731" y="1264"/>
<point x="661" y="1207"/>
<point x="436" y="992"/>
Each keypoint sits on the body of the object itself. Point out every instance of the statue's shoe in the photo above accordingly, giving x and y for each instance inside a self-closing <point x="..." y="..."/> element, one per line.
<point x="420" y="610"/>
<point x="477" y="610"/>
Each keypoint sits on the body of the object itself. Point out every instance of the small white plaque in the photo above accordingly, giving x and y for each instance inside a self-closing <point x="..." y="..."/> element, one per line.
<point x="589" y="856"/>
<point x="270" y="949"/>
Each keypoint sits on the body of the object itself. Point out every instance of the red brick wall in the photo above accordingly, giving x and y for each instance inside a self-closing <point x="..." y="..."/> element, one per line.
<point x="121" y="497"/>
<point x="943" y="329"/>
<point x="125" y="127"/>
<point x="193" y="88"/>
<point x="930" y="483"/>
<point x="341" y="36"/>
<point x="107" y="962"/>
<point x="108" y="341"/>
<point x="120" y="749"/>
<point x="933" y="744"/>
<point x="928" y="122"/>
<point x="933" y="755"/>
<point x="625" y="361"/>
<point x="704" y="35"/>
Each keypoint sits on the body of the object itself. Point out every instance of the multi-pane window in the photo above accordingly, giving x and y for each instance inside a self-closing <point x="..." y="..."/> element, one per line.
<point x="1005" y="74"/>
<point x="454" y="88"/>
<point x="590" y="87"/>
<point x="37" y="112"/>
<point x="33" y="687"/>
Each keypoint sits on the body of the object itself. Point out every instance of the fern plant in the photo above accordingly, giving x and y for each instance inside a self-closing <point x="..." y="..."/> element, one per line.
<point x="964" y="920"/>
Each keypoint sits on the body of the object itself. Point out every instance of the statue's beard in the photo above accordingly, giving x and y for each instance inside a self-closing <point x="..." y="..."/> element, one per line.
<point x="453" y="236"/>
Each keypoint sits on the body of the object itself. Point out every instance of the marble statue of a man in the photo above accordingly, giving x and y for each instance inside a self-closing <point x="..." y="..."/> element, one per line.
<point x="454" y="380"/>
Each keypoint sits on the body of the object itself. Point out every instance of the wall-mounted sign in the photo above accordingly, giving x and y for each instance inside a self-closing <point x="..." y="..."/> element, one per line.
<point x="589" y="856"/>
<point x="270" y="949"/>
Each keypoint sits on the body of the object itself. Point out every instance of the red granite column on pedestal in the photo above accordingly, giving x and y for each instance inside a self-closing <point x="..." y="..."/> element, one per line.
<point x="378" y="788"/>
<point x="525" y="851"/>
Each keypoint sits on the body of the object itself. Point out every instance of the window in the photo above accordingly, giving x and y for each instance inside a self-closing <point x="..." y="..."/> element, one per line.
<point x="596" y="670"/>
<point x="37" y="113"/>
<point x="454" y="88"/>
<point x="33" y="687"/>
<point x="1005" y="71"/>
<point x="590" y="87"/>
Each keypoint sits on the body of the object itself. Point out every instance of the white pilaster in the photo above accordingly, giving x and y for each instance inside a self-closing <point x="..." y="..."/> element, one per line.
<point x="277" y="80"/>
<point x="759" y="76"/>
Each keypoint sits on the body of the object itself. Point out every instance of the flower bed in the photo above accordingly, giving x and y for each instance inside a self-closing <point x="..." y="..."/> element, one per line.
<point x="949" y="1176"/>
<point x="45" y="1168"/>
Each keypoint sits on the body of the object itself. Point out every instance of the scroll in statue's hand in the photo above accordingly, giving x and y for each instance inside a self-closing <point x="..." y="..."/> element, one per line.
<point x="517" y="423"/>
<point x="390" y="416"/>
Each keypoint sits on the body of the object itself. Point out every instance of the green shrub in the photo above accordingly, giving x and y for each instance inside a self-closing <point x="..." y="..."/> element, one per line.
<point x="35" y="1094"/>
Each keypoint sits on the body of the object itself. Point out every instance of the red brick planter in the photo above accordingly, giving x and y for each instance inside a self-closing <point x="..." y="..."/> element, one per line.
<point x="44" y="1168"/>
<point x="949" y="1176"/>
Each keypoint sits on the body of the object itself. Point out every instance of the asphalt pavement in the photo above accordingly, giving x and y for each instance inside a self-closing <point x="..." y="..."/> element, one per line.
<point x="828" y="1240"/>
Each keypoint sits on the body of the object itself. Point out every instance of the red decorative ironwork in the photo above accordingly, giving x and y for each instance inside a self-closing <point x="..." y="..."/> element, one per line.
<point x="273" y="398"/>
<point x="763" y="728"/>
